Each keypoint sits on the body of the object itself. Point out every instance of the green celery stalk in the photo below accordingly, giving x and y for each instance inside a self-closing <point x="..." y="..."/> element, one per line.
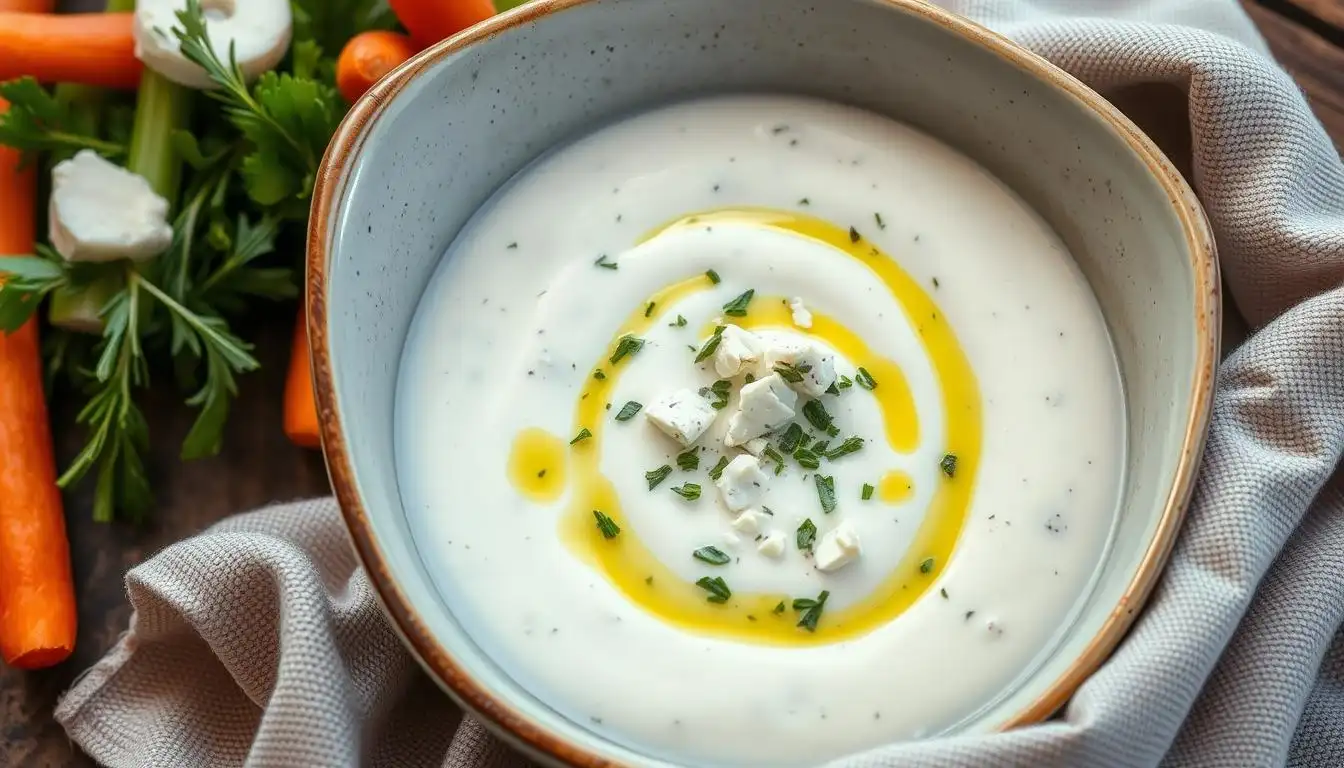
<point x="161" y="108"/>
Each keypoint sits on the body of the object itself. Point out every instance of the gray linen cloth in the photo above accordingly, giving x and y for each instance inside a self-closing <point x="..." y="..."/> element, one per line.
<point x="260" y="642"/>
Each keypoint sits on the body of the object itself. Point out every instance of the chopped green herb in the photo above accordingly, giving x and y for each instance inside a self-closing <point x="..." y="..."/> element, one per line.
<point x="868" y="491"/>
<point x="716" y="471"/>
<point x="833" y="389"/>
<point x="599" y="375"/>
<point x="628" y="410"/>
<point x="948" y="464"/>
<point x="816" y="415"/>
<point x="943" y="592"/>
<point x="511" y="246"/>
<point x="792" y="373"/>
<point x="791" y="438"/>
<point x="603" y="263"/>
<point x="865" y="379"/>
<point x="854" y="235"/>
<point x="804" y="201"/>
<point x="648" y="311"/>
<point x="775" y="456"/>
<point x="813" y="612"/>
<point x="656" y="476"/>
<point x="606" y="525"/>
<point x="648" y="580"/>
<point x="627" y="346"/>
<point x="688" y="460"/>
<point x="713" y="277"/>
<point x="584" y="434"/>
<point x="711" y="345"/>
<point x="806" y="459"/>
<point x="807" y="535"/>
<point x="820" y="446"/>
<point x="738" y="306"/>
<point x="850" y="445"/>
<point x="826" y="492"/>
<point x="880" y="223"/>
<point x="926" y="566"/>
<point x="780" y="608"/>
<point x="717" y="394"/>
<point x="844" y="382"/>
<point x="680" y="322"/>
<point x="716" y="587"/>
<point x="935" y="282"/>
<point x="750" y="377"/>
<point x="711" y="555"/>
<point x="688" y="491"/>
<point x="832" y="430"/>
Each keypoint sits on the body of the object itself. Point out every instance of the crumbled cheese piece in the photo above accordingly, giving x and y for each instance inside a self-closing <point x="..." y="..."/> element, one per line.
<point x="750" y="520"/>
<point x="683" y="415"/>
<point x="742" y="483"/>
<point x="801" y="316"/>
<point x="837" y="549"/>
<point x="100" y="211"/>
<point x="731" y="540"/>
<point x="757" y="446"/>
<point x="814" y="363"/>
<point x="763" y="405"/>
<point x="772" y="545"/>
<point x="737" y="352"/>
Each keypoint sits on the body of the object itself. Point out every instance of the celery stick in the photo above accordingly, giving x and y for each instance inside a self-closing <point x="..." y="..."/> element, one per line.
<point x="161" y="108"/>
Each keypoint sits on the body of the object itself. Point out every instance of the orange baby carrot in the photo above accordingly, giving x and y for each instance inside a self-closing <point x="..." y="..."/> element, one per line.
<point x="37" y="596"/>
<point x="27" y="6"/>
<point x="84" y="48"/>
<point x="367" y="57"/>
<point x="433" y="20"/>
<point x="300" y="407"/>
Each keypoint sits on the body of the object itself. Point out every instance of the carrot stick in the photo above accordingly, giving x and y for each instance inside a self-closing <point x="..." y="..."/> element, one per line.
<point x="85" y="48"/>
<point x="433" y="20"/>
<point x="367" y="57"/>
<point x="37" y="595"/>
<point x="300" y="407"/>
<point x="28" y="6"/>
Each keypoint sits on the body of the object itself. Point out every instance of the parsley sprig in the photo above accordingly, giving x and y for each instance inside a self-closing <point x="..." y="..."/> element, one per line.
<point x="250" y="167"/>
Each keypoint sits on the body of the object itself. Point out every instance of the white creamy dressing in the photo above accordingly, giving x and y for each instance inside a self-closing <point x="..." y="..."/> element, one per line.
<point x="517" y="315"/>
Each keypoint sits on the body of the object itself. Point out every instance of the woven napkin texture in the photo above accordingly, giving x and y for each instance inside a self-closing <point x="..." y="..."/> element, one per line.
<point x="260" y="643"/>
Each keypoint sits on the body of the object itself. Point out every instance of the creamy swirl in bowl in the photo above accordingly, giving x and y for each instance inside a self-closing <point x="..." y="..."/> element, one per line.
<point x="942" y="498"/>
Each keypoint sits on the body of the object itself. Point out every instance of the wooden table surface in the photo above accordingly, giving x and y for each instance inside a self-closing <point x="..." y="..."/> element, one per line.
<point x="258" y="465"/>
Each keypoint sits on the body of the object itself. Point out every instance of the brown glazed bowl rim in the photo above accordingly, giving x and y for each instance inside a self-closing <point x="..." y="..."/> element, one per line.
<point x="341" y="156"/>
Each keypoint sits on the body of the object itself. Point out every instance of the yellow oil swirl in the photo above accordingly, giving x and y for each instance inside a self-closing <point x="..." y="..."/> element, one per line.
<point x="753" y="617"/>
<point x="537" y="465"/>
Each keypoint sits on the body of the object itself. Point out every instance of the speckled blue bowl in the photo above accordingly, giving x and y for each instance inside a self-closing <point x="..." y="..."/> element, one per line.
<point x="431" y="142"/>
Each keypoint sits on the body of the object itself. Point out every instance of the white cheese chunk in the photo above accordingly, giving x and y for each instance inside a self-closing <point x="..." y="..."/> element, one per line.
<point x="683" y="415"/>
<point x="772" y="545"/>
<point x="838" y="548"/>
<point x="757" y="446"/>
<point x="731" y="540"/>
<point x="100" y="211"/>
<point x="815" y="365"/>
<point x="742" y="483"/>
<point x="750" y="520"/>
<point x="801" y="316"/>
<point x="256" y="33"/>
<point x="738" y="351"/>
<point x="763" y="406"/>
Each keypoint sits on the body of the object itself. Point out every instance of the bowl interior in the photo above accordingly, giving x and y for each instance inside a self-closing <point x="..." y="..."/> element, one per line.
<point x="434" y="142"/>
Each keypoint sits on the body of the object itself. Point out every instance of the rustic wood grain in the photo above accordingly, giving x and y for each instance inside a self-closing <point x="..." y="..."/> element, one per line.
<point x="1314" y="61"/>
<point x="258" y="465"/>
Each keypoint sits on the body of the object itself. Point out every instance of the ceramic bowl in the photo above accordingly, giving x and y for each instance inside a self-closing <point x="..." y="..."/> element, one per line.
<point x="431" y="142"/>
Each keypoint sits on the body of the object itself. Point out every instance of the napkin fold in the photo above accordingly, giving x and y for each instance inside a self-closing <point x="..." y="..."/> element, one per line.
<point x="261" y="643"/>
